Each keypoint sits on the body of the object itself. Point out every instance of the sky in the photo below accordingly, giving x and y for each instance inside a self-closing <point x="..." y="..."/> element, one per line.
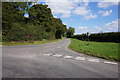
<point x="93" y="17"/>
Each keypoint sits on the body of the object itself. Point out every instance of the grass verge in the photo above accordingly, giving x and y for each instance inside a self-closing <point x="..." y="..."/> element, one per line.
<point x="28" y="43"/>
<point x="104" y="50"/>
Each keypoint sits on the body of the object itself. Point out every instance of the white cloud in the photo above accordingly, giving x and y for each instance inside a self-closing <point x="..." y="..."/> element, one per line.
<point x="108" y="27"/>
<point x="81" y="11"/>
<point x="107" y="3"/>
<point x="66" y="7"/>
<point x="64" y="23"/>
<point x="90" y="16"/>
<point x="55" y="16"/>
<point x="82" y="27"/>
<point x="100" y="12"/>
<point x="110" y="10"/>
<point x="98" y="28"/>
<point x="65" y="15"/>
<point x="112" y="25"/>
<point x="105" y="13"/>
<point x="63" y="7"/>
<point x="86" y="13"/>
<point x="111" y="0"/>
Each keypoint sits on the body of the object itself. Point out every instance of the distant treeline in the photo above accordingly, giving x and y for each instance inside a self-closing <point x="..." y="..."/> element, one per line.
<point x="100" y="37"/>
<point x="40" y="23"/>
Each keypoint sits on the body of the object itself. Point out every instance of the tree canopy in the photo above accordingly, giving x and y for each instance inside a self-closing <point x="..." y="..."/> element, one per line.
<point x="70" y="32"/>
<point x="39" y="25"/>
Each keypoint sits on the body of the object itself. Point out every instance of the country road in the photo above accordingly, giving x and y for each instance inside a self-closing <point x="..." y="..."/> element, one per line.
<point x="53" y="60"/>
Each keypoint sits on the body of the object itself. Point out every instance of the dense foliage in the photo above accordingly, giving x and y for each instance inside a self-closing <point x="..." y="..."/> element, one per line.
<point x="38" y="26"/>
<point x="100" y="37"/>
<point x="70" y="32"/>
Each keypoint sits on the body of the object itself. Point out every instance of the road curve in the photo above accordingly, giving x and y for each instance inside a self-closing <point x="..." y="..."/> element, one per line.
<point x="53" y="60"/>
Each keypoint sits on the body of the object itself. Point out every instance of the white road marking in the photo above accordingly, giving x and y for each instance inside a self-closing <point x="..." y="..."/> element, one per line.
<point x="57" y="55"/>
<point x="59" y="47"/>
<point x="68" y="57"/>
<point x="79" y="58"/>
<point x="47" y="54"/>
<point x="93" y="60"/>
<point x="107" y="62"/>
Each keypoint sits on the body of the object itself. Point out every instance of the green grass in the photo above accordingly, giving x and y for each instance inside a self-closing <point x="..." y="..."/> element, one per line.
<point x="27" y="43"/>
<point x="104" y="50"/>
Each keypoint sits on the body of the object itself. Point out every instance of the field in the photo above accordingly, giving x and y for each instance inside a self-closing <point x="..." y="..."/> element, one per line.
<point x="104" y="50"/>
<point x="28" y="43"/>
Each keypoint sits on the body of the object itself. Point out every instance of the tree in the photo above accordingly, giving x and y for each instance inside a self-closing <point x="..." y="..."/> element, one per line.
<point x="38" y="26"/>
<point x="12" y="12"/>
<point x="70" y="32"/>
<point x="60" y="28"/>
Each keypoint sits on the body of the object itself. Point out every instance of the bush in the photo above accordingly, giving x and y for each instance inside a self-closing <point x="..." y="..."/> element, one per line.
<point x="38" y="26"/>
<point x="100" y="37"/>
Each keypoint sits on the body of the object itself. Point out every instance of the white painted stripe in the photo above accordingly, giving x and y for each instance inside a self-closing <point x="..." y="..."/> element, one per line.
<point x="93" y="60"/>
<point x="59" y="47"/>
<point x="47" y="54"/>
<point x="79" y="58"/>
<point x="57" y="55"/>
<point x="68" y="57"/>
<point x="107" y="62"/>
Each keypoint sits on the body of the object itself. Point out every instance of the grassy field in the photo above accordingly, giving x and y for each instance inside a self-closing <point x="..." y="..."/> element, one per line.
<point x="28" y="43"/>
<point x="104" y="50"/>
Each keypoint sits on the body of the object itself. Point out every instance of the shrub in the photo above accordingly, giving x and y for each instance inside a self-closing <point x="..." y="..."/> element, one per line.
<point x="100" y="37"/>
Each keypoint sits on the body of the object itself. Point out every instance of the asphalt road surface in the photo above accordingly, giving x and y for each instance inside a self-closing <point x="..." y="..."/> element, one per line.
<point x="53" y="60"/>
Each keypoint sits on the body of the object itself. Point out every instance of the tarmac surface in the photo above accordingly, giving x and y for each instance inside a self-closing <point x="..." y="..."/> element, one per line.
<point x="53" y="60"/>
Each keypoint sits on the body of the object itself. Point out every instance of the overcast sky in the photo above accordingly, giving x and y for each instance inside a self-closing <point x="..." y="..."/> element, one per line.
<point x="92" y="17"/>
